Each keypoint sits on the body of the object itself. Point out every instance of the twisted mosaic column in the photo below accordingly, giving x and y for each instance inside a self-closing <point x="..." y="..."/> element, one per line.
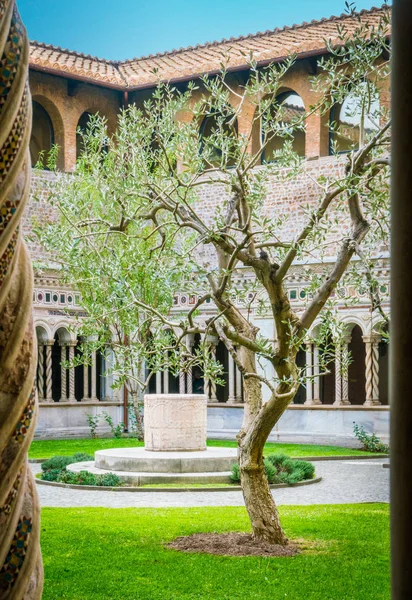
<point x="21" y="570"/>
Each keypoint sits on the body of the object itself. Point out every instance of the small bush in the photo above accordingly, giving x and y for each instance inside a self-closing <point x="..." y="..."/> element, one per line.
<point x="81" y="457"/>
<point x="56" y="462"/>
<point x="82" y="478"/>
<point x="108" y="480"/>
<point x="370" y="441"/>
<point x="279" y="468"/>
<point x="51" y="475"/>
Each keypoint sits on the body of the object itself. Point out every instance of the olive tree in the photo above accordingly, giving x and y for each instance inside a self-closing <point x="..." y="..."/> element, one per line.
<point x="132" y="229"/>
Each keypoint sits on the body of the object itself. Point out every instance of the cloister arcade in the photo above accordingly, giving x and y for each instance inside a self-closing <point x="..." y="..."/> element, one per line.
<point x="357" y="376"/>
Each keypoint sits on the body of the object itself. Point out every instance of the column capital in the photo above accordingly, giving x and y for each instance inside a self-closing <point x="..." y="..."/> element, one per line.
<point x="372" y="338"/>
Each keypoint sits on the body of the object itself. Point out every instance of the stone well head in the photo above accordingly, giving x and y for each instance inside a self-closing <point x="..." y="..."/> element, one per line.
<point x="175" y="422"/>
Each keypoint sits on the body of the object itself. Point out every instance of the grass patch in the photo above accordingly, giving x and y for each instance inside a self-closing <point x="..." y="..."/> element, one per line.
<point x="119" y="554"/>
<point x="49" y="448"/>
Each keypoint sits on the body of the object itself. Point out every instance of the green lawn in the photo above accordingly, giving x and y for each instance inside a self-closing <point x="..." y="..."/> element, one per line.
<point x="118" y="554"/>
<point x="48" y="448"/>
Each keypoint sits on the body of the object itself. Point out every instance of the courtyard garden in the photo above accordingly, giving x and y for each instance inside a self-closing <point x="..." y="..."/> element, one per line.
<point x="99" y="553"/>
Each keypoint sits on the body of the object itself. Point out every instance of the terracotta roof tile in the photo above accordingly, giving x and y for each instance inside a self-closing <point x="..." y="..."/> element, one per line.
<point x="192" y="61"/>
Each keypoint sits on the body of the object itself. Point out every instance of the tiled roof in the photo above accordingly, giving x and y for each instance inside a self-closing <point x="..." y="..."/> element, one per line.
<point x="305" y="39"/>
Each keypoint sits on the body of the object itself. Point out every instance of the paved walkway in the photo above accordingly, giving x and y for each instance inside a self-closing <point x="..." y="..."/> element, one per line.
<point x="343" y="482"/>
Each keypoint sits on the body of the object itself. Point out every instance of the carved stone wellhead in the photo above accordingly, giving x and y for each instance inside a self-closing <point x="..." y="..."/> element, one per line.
<point x="21" y="570"/>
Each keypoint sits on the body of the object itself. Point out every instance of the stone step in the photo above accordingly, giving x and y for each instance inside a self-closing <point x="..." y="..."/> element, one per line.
<point x="142" y="478"/>
<point x="143" y="461"/>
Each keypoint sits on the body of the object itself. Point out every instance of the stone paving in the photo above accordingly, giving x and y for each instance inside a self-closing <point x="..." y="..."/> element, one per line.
<point x="343" y="482"/>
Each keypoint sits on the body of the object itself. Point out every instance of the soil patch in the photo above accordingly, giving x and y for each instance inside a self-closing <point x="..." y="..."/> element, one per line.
<point x="231" y="544"/>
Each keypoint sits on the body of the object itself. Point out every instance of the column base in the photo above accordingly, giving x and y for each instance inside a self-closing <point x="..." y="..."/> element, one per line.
<point x="312" y="402"/>
<point x="231" y="401"/>
<point x="71" y="400"/>
<point x="372" y="402"/>
<point x="341" y="403"/>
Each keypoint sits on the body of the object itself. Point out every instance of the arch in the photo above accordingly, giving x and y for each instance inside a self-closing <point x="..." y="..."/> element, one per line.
<point x="358" y="112"/>
<point x="356" y="369"/>
<point x="57" y="125"/>
<point x="42" y="134"/>
<point x="351" y="321"/>
<point x="289" y="107"/>
<point x="211" y="125"/>
<point x="43" y="331"/>
<point x="62" y="330"/>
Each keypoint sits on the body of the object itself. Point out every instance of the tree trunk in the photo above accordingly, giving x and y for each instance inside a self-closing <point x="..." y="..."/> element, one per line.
<point x="137" y="404"/>
<point x="259" y="501"/>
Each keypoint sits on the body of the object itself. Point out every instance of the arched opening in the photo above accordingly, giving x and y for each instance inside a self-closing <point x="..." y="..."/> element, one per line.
<point x="300" y="397"/>
<point x="288" y="110"/>
<point x="327" y="380"/>
<point x="218" y="140"/>
<point x="357" y="116"/>
<point x="82" y="125"/>
<point x="356" y="370"/>
<point x="42" y="134"/>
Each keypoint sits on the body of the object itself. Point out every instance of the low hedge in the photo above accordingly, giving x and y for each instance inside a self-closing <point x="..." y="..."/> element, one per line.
<point x="55" y="469"/>
<point x="279" y="468"/>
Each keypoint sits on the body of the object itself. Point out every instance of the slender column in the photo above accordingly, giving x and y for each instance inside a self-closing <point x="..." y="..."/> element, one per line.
<point x="63" y="371"/>
<point x="40" y="372"/>
<point x="238" y="385"/>
<point x="316" y="375"/>
<point x="338" y="374"/>
<point x="372" y="370"/>
<point x="72" y="397"/>
<point x="166" y="376"/>
<point x="93" y="378"/>
<point x="189" y="374"/>
<point x="231" y="374"/>
<point x="309" y="374"/>
<point x="182" y="378"/>
<point x="49" y="345"/>
<point x="158" y="382"/>
<point x="345" y="371"/>
<point x="213" y="395"/>
<point x="86" y="383"/>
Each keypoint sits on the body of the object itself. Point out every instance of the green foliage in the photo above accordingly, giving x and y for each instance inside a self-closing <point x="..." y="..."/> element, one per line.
<point x="93" y="422"/>
<point x="51" y="475"/>
<point x="82" y="457"/>
<point x="117" y="430"/>
<point x="57" y="462"/>
<point x="93" y="553"/>
<point x="81" y="478"/>
<point x="279" y="468"/>
<point x="108" y="480"/>
<point x="369" y="441"/>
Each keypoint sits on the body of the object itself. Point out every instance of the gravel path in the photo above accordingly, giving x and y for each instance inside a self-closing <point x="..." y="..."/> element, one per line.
<point x="344" y="482"/>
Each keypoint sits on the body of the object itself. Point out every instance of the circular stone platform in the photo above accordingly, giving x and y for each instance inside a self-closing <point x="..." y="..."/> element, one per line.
<point x="139" y="466"/>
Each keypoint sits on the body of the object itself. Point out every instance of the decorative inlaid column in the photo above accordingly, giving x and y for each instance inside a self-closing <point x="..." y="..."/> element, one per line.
<point x="213" y="395"/>
<point x="372" y="370"/>
<point x="309" y="374"/>
<point x="49" y="345"/>
<point x="93" y="378"/>
<point x="238" y="385"/>
<point x="72" y="397"/>
<point x="182" y="378"/>
<point x="338" y="373"/>
<point x="316" y="375"/>
<point x="345" y="371"/>
<point x="63" y="372"/>
<point x="231" y="399"/>
<point x="40" y="372"/>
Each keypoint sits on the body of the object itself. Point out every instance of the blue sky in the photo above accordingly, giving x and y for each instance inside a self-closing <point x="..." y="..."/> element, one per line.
<point x="127" y="28"/>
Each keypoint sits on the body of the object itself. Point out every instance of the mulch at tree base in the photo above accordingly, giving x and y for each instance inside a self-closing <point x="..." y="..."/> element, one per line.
<point x="231" y="544"/>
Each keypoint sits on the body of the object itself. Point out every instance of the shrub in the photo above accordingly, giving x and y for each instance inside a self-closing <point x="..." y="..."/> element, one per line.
<point x="81" y="457"/>
<point x="93" y="422"/>
<point x="81" y="478"/>
<point x="108" y="480"/>
<point x="56" y="462"/>
<point x="279" y="468"/>
<point x="370" y="441"/>
<point x="51" y="475"/>
<point x="117" y="430"/>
